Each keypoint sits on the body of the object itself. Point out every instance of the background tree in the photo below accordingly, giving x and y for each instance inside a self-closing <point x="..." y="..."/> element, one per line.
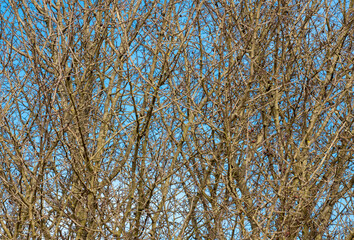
<point x="176" y="119"/>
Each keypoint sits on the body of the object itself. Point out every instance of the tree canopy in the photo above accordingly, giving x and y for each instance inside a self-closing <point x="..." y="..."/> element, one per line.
<point x="176" y="119"/>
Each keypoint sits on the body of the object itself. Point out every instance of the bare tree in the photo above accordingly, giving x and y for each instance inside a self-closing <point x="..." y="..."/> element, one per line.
<point x="176" y="119"/>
